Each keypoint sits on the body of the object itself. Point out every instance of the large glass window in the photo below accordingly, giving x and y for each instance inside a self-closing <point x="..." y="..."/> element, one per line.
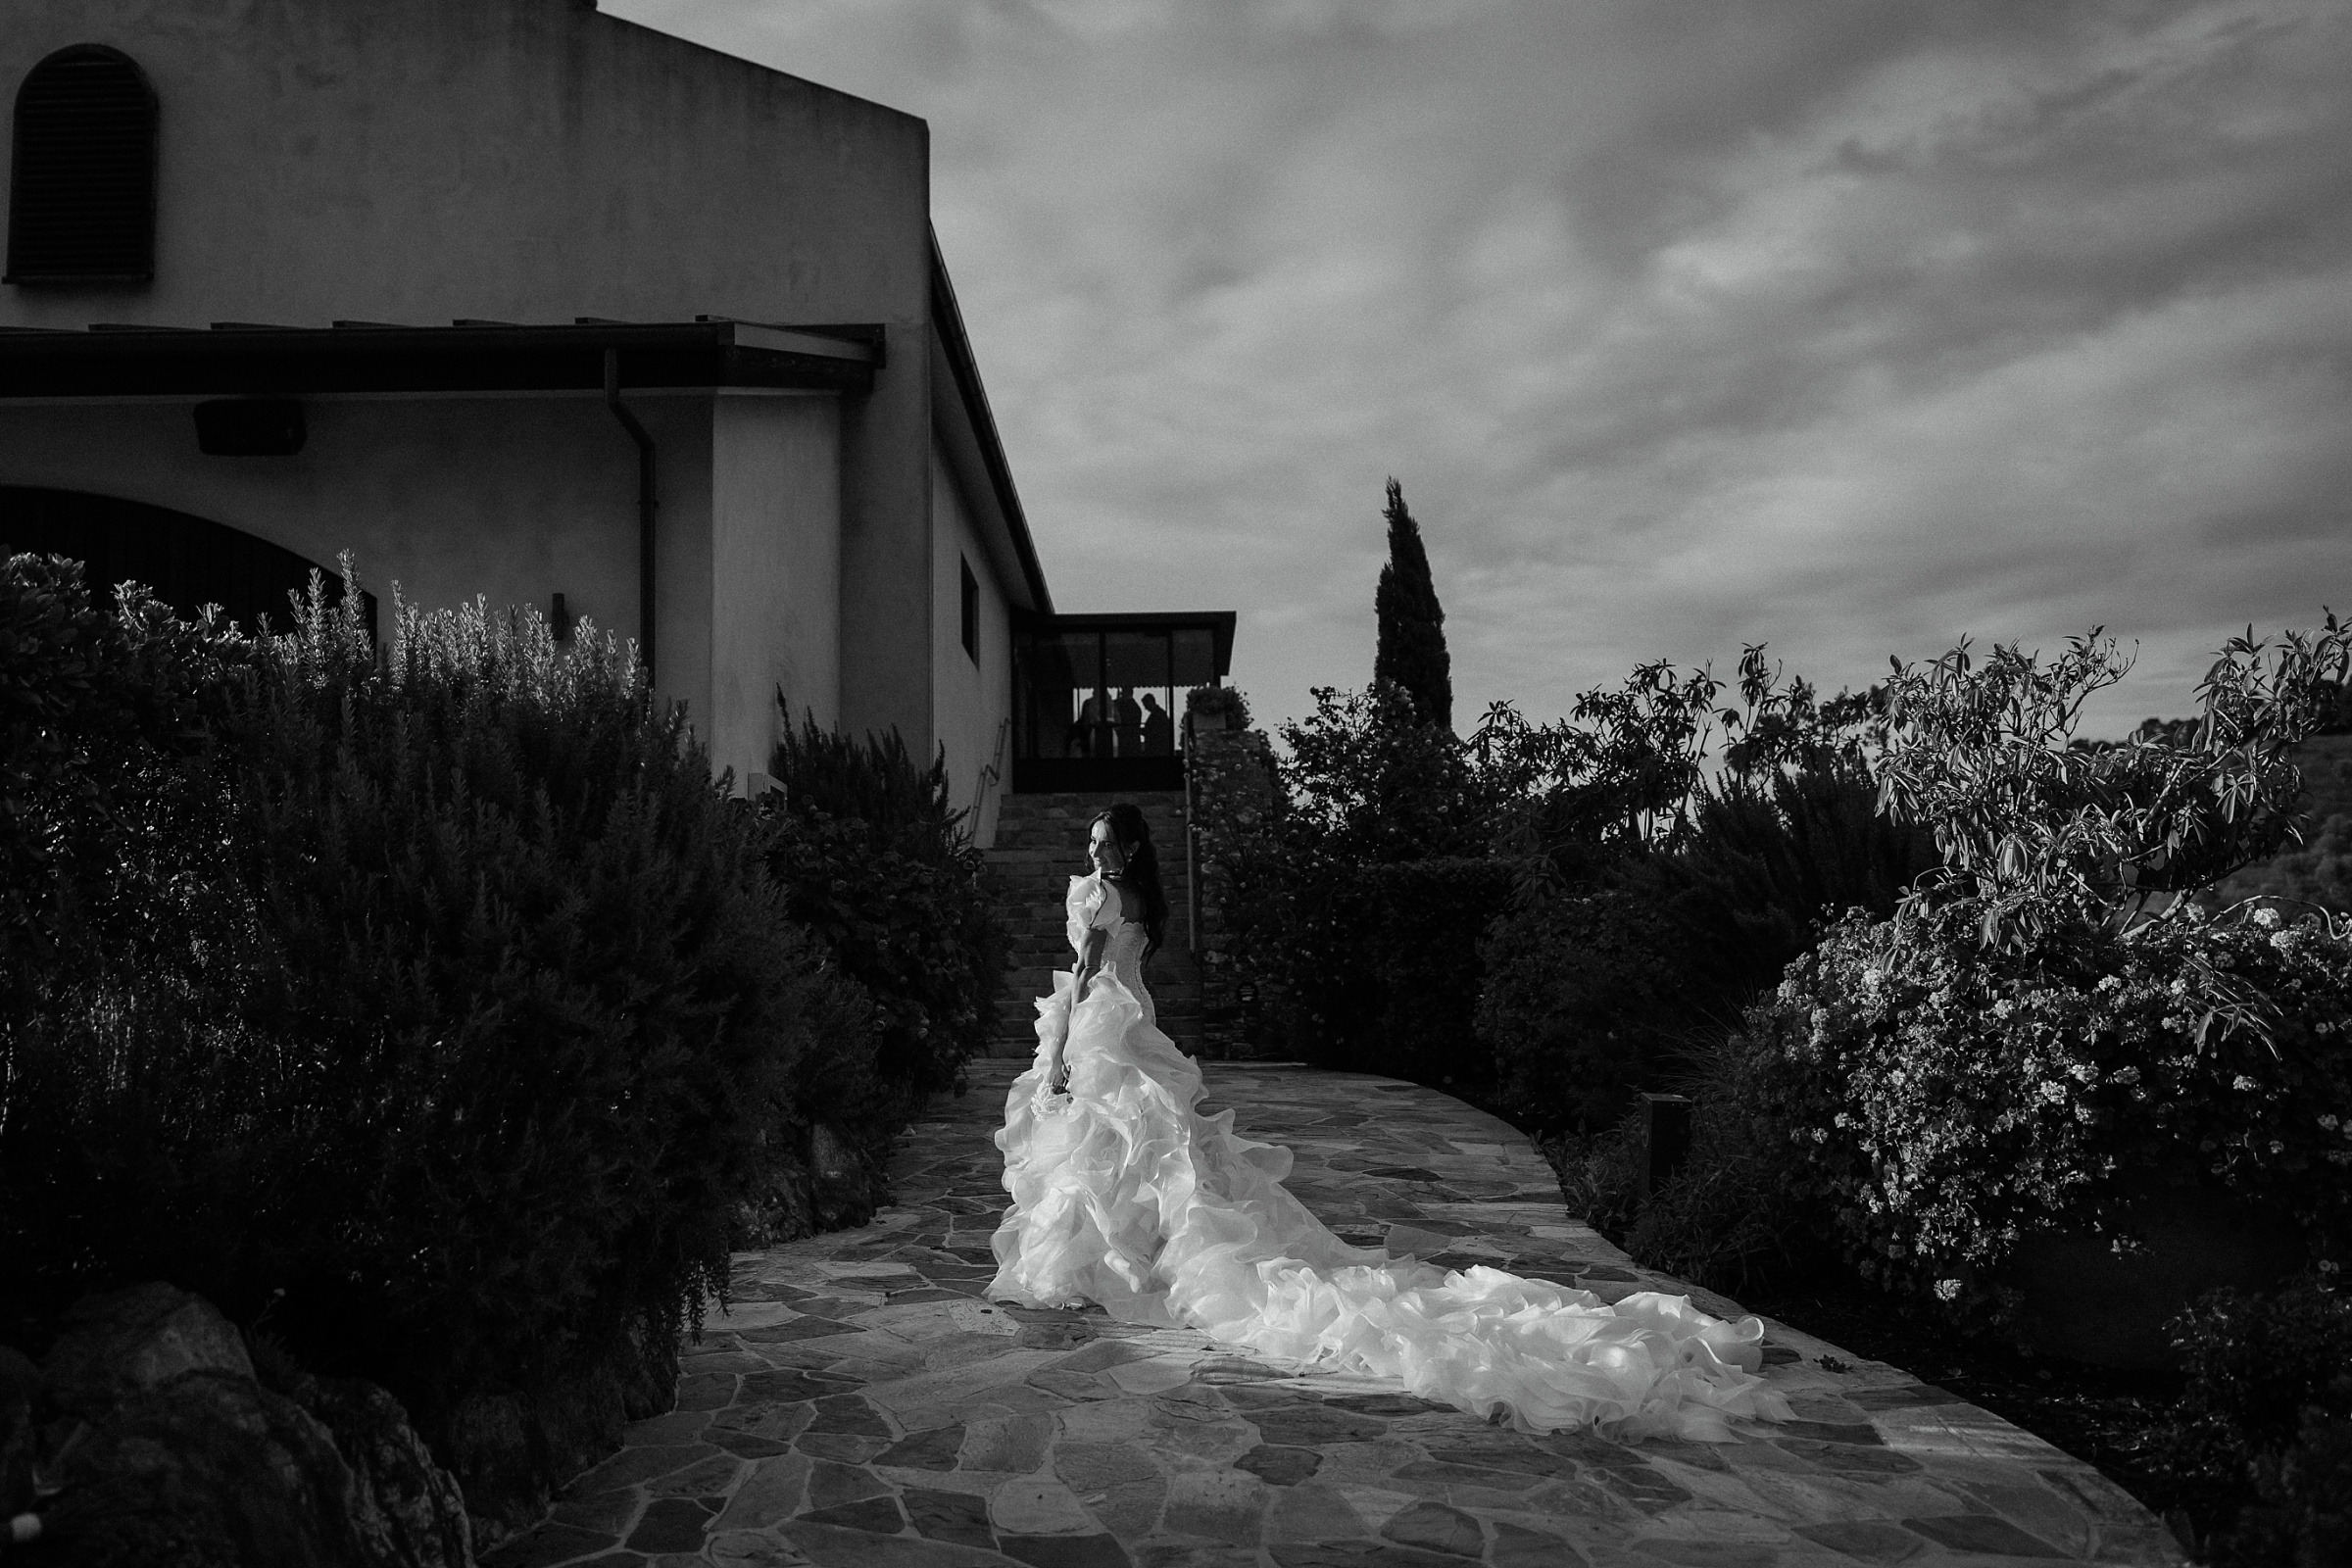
<point x="1099" y="701"/>
<point x="1135" y="665"/>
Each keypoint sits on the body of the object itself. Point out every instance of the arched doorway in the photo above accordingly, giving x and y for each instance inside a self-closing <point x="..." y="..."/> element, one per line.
<point x="189" y="561"/>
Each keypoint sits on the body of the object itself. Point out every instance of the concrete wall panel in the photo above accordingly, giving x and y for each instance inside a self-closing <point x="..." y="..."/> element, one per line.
<point x="775" y="584"/>
<point x="972" y="698"/>
<point x="513" y="498"/>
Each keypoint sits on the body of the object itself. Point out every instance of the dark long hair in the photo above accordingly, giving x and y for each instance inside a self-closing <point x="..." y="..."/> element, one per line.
<point x="1133" y="835"/>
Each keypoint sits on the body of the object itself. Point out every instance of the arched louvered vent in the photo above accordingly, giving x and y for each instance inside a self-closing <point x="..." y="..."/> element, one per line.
<point x="82" y="191"/>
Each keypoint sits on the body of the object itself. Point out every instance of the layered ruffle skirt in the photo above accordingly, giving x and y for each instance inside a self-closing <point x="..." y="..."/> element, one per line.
<point x="1124" y="1196"/>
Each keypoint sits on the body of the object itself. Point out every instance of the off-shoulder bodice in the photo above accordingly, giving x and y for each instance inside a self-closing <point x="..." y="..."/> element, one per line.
<point x="1094" y="904"/>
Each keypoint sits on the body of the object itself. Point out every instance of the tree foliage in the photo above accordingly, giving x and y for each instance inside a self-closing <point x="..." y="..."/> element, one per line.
<point x="443" y="991"/>
<point x="2037" y="828"/>
<point x="1411" y="651"/>
<point x="875" y="862"/>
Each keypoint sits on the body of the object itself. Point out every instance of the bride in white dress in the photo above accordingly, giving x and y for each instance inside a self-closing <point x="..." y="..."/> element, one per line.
<point x="1124" y="1196"/>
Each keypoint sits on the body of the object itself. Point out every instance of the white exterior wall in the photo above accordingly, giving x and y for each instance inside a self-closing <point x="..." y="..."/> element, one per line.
<point x="775" y="580"/>
<point x="513" y="498"/>
<point x="417" y="161"/>
<point x="972" y="698"/>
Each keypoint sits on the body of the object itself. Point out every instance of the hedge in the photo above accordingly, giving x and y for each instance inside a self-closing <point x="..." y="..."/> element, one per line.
<point x="443" y="1008"/>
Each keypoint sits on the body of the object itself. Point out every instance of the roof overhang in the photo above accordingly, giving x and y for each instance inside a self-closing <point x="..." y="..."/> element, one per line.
<point x="1218" y="623"/>
<point x="966" y="431"/>
<point x="238" y="360"/>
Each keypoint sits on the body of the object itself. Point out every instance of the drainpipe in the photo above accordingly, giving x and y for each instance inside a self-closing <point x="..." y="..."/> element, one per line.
<point x="646" y="507"/>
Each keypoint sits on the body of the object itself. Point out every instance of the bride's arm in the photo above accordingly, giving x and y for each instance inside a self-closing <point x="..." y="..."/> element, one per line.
<point x="1089" y="964"/>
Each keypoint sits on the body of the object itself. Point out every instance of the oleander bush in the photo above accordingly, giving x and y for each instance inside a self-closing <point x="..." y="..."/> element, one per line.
<point x="874" y="860"/>
<point x="2051" y="1017"/>
<point x="1944" y="1100"/>
<point x="442" y="1005"/>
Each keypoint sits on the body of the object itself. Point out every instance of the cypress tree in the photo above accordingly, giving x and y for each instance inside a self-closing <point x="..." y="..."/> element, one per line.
<point x="1413" y="626"/>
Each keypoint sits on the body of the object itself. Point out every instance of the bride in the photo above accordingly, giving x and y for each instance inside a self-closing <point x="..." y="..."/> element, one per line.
<point x="1124" y="1196"/>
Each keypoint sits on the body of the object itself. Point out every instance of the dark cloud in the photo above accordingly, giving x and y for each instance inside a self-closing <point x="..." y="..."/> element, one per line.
<point x="1847" y="326"/>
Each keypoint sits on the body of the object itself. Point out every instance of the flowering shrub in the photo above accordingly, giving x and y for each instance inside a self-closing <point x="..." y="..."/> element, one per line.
<point x="1948" y="1098"/>
<point x="438" y="1002"/>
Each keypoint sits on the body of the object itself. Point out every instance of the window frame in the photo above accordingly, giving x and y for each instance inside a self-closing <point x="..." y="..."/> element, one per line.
<point x="969" y="605"/>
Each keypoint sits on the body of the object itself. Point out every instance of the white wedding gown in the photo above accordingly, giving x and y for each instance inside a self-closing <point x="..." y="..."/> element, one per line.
<point x="1125" y="1196"/>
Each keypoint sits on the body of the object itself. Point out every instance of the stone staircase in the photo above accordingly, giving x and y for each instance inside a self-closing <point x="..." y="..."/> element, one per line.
<point x="1041" y="844"/>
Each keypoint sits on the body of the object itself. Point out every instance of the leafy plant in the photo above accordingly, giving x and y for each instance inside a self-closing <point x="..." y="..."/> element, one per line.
<point x="2268" y="1408"/>
<point x="461" y="1009"/>
<point x="873" y="860"/>
<point x="1584" y="1006"/>
<point x="91" y="702"/>
<point x="1733" y="1215"/>
<point x="1224" y="702"/>
<point x="2039" y="830"/>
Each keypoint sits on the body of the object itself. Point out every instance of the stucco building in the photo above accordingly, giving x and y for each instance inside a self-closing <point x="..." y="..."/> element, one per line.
<point x="510" y="298"/>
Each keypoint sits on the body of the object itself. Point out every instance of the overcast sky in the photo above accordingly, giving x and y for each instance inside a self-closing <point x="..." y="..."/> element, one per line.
<point x="1842" y="325"/>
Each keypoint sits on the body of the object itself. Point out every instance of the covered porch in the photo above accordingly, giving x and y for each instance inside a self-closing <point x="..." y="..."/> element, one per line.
<point x="1097" y="701"/>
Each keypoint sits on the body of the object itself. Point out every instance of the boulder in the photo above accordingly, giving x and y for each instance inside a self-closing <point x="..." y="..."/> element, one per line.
<point x="211" y="1468"/>
<point x="843" y="1186"/>
<point x="169" y="1449"/>
<point x="408" y="1512"/>
<point x="19" y="1381"/>
<point x="120" y="1343"/>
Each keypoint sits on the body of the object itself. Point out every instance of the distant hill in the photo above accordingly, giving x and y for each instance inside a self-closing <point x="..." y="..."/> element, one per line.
<point x="2320" y="871"/>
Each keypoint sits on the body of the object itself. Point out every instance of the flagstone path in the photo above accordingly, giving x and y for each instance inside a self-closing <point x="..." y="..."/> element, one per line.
<point x="861" y="1406"/>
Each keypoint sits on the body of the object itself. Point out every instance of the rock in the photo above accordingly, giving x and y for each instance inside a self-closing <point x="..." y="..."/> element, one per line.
<point x="121" y="1343"/>
<point x="410" y="1511"/>
<point x="173" y="1450"/>
<point x="211" y="1468"/>
<point x="844" y="1189"/>
<point x="489" y="1445"/>
<point x="18" y="1378"/>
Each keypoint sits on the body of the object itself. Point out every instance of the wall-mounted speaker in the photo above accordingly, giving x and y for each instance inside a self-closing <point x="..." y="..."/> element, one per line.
<point x="250" y="427"/>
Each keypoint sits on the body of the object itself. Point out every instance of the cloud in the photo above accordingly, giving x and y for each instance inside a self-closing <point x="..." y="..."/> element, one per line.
<point x="1838" y="326"/>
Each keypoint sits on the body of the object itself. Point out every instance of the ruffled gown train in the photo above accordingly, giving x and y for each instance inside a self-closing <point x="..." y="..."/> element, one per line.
<point x="1125" y="1196"/>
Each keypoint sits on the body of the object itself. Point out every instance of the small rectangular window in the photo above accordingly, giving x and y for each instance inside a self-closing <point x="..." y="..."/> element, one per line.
<point x="971" y="610"/>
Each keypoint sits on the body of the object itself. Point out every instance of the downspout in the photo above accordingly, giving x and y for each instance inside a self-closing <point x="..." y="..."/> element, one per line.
<point x="646" y="507"/>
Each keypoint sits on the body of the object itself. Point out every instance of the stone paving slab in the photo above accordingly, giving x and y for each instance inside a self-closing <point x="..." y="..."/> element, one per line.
<point x="859" y="1405"/>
